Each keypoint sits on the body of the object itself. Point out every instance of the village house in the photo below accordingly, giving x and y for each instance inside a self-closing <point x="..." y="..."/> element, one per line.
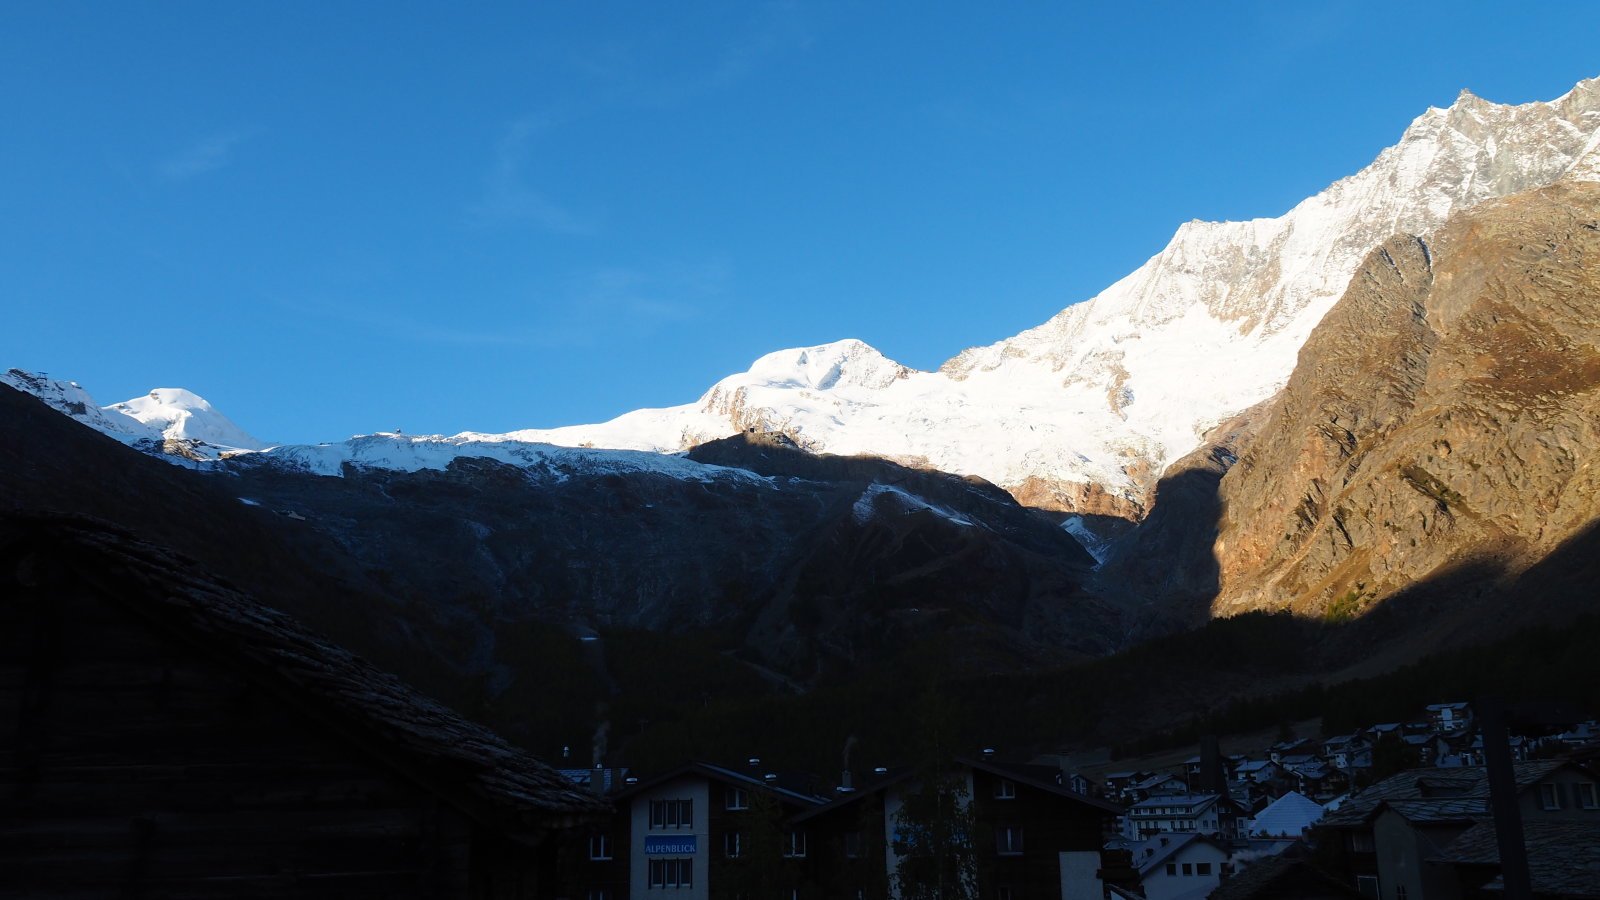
<point x="167" y="735"/>
<point x="1209" y="814"/>
<point x="1180" y="866"/>
<point x="1035" y="837"/>
<point x="1448" y="718"/>
<point x="1383" y="839"/>
<point x="697" y="830"/>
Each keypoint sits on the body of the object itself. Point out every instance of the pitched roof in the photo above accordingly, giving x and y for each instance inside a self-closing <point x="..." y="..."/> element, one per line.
<point x="1563" y="857"/>
<point x="1168" y="845"/>
<point x="1468" y="783"/>
<point x="1282" y="876"/>
<point x="795" y="787"/>
<point x="1287" y="815"/>
<point x="1041" y="777"/>
<point x="463" y="762"/>
<point x="1187" y="801"/>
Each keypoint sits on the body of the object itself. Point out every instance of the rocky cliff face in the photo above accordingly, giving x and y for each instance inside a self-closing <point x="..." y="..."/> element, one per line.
<point x="1085" y="412"/>
<point x="1445" y="414"/>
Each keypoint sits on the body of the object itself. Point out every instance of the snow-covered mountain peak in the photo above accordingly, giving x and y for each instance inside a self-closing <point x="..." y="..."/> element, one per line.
<point x="1086" y="410"/>
<point x="846" y="363"/>
<point x="1112" y="390"/>
<point x="181" y="415"/>
<point x="164" y="415"/>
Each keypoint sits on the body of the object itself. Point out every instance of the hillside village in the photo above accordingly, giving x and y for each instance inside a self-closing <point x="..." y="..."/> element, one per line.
<point x="1396" y="810"/>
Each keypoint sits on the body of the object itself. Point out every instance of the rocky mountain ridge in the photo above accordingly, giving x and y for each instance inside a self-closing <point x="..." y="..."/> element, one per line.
<point x="1086" y="411"/>
<point x="1435" y="449"/>
<point x="1447" y="411"/>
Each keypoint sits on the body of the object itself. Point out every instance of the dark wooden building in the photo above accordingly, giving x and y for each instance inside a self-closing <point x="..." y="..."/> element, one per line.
<point x="162" y="735"/>
<point x="1035" y="838"/>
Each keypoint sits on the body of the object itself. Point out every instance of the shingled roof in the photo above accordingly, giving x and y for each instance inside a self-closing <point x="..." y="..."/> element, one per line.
<point x="1453" y="792"/>
<point x="463" y="762"/>
<point x="1563" y="857"/>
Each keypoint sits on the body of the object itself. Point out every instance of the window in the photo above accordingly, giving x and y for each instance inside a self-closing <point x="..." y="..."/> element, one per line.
<point x="1172" y="868"/>
<point x="600" y="846"/>
<point x="1367" y="886"/>
<point x="1005" y="789"/>
<point x="735" y="798"/>
<point x="1008" y="840"/>
<point x="1361" y="842"/>
<point x="852" y="844"/>
<point x="1586" y="796"/>
<point x="671" y="873"/>
<point x="672" y="813"/>
<point x="599" y="894"/>
<point x="1550" y="796"/>
<point x="1188" y="869"/>
<point x="794" y="843"/>
<point x="731" y="843"/>
<point x="1400" y="893"/>
<point x="1202" y="868"/>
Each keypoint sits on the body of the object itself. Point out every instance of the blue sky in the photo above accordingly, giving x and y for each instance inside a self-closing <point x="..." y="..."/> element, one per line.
<point x="336" y="218"/>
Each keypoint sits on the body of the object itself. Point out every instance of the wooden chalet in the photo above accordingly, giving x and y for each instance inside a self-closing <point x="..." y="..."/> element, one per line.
<point x="1037" y="838"/>
<point x="163" y="735"/>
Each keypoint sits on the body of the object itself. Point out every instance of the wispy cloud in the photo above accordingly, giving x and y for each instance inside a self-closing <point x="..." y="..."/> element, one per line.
<point x="587" y="309"/>
<point x="206" y="155"/>
<point x="776" y="29"/>
<point x="508" y="194"/>
<point x="624" y="70"/>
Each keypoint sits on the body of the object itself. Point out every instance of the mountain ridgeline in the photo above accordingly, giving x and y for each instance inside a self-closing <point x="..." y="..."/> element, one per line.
<point x="1401" y="460"/>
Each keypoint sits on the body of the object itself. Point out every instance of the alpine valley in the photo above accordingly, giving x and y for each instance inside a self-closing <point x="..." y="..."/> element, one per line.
<point x="1378" y="413"/>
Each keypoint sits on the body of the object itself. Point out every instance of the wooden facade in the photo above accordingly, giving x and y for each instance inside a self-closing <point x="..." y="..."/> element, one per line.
<point x="164" y="736"/>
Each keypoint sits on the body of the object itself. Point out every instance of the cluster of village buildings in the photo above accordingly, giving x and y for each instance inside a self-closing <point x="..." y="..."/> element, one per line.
<point x="1306" y="818"/>
<point x="163" y="734"/>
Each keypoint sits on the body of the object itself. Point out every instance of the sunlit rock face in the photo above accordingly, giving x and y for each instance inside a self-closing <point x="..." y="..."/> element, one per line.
<point x="1446" y="412"/>
<point x="1086" y="411"/>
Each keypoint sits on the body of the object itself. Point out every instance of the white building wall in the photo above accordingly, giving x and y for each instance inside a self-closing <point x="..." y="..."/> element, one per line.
<point x="687" y="787"/>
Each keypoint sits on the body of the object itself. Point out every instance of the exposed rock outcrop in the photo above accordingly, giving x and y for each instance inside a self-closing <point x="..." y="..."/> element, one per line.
<point x="1445" y="413"/>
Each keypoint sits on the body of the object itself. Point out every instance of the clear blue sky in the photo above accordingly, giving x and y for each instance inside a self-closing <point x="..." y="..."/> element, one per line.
<point x="334" y="218"/>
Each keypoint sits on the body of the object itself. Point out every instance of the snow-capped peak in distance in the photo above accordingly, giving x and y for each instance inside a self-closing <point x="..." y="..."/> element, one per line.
<point x="1084" y="412"/>
<point x="179" y="415"/>
<point x="163" y="415"/>
<point x="1107" y="393"/>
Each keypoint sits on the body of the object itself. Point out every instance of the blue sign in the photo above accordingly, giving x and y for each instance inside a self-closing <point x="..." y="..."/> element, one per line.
<point x="673" y="845"/>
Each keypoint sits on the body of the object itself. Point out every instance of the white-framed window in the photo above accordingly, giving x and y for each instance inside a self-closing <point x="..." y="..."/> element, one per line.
<point x="1550" y="796"/>
<point x="1587" y="796"/>
<point x="794" y="844"/>
<point x="1005" y="789"/>
<point x="1202" y="868"/>
<point x="600" y="846"/>
<point x="677" y="872"/>
<point x="1367" y="886"/>
<point x="732" y="843"/>
<point x="672" y="813"/>
<point x="1188" y="869"/>
<point x="1008" y="840"/>
<point x="1172" y="868"/>
<point x="735" y="798"/>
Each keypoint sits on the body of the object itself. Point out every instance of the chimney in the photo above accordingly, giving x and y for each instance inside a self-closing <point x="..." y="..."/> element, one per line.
<point x="988" y="753"/>
<point x="846" y="783"/>
<point x="1212" y="778"/>
<point x="597" y="781"/>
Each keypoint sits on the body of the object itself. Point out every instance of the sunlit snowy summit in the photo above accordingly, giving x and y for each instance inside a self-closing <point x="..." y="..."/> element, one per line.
<point x="1085" y="411"/>
<point x="1081" y="413"/>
